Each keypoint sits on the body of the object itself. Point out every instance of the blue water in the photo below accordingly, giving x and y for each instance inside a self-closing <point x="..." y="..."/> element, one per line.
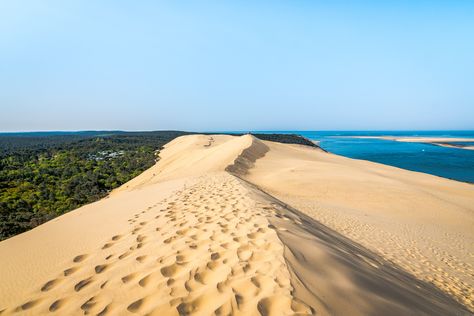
<point x="452" y="163"/>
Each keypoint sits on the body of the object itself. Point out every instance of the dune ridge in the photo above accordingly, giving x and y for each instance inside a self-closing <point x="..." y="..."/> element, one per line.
<point x="206" y="248"/>
<point x="196" y="235"/>
<point x="247" y="158"/>
<point x="417" y="221"/>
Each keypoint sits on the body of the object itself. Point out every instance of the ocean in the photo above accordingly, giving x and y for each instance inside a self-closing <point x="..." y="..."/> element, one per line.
<point x="451" y="163"/>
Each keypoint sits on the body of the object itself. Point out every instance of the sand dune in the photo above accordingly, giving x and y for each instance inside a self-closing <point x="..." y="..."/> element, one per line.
<point x="199" y="233"/>
<point x="421" y="222"/>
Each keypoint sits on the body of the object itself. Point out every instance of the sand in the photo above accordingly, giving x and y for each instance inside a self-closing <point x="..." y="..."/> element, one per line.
<point x="234" y="225"/>
<point x="421" y="222"/>
<point x="438" y="141"/>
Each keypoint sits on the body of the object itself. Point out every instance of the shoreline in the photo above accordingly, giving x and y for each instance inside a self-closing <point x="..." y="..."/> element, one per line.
<point x="437" y="141"/>
<point x="392" y="138"/>
<point x="362" y="200"/>
<point x="247" y="226"/>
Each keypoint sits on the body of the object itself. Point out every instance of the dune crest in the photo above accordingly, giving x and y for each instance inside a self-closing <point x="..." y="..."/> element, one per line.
<point x="206" y="248"/>
<point x="191" y="236"/>
<point x="420" y="222"/>
<point x="194" y="155"/>
<point x="247" y="158"/>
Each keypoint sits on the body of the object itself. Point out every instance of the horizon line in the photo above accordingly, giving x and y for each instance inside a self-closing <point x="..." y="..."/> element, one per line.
<point x="239" y="131"/>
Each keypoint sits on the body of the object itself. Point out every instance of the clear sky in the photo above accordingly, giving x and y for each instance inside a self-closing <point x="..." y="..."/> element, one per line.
<point x="236" y="65"/>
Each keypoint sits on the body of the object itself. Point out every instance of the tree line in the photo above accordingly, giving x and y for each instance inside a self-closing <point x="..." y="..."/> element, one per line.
<point x="44" y="176"/>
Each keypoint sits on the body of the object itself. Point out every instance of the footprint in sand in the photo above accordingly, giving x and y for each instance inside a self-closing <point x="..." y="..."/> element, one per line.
<point x="135" y="306"/>
<point x="116" y="237"/>
<point x="49" y="285"/>
<point x="100" y="268"/>
<point x="57" y="304"/>
<point x="79" y="286"/>
<point x="28" y="305"/>
<point x="126" y="279"/>
<point x="79" y="258"/>
<point x="70" y="271"/>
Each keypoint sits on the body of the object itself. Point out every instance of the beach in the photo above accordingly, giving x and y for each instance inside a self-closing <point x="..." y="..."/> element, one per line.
<point x="452" y="142"/>
<point x="236" y="225"/>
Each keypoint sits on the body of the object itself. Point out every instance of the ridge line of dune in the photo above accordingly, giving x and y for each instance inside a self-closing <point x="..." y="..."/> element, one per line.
<point x="198" y="234"/>
<point x="436" y="296"/>
<point x="420" y="222"/>
<point x="316" y="288"/>
<point x="246" y="159"/>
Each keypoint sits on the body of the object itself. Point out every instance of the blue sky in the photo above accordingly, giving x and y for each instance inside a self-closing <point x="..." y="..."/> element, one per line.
<point x="236" y="65"/>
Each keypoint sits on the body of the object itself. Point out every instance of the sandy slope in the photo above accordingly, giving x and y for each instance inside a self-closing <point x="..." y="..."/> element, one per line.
<point x="421" y="222"/>
<point x="192" y="236"/>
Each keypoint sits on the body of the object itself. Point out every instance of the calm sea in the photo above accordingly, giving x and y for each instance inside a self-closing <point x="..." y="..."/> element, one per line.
<point x="452" y="163"/>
